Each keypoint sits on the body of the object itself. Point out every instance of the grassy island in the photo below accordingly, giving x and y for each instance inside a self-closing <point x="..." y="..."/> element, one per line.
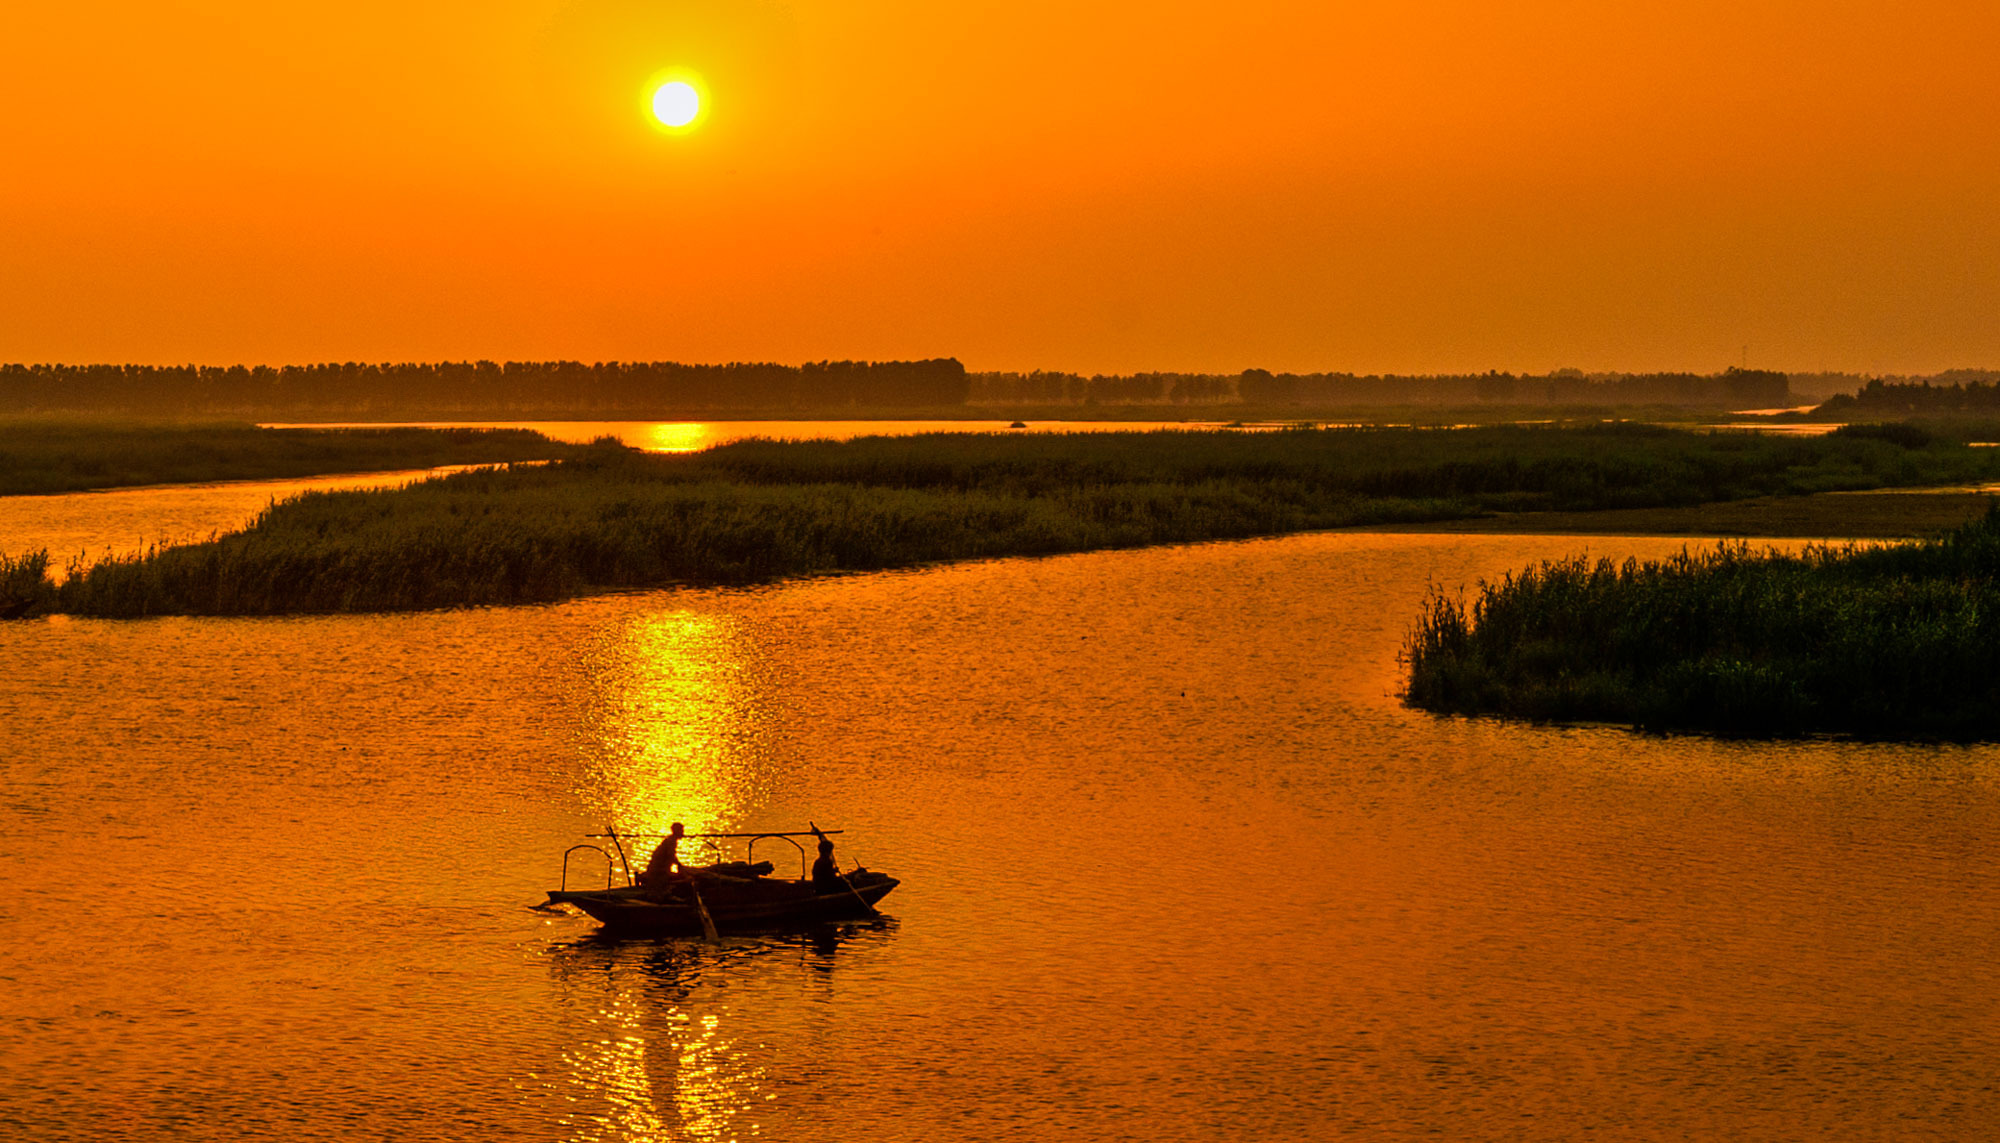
<point x="757" y="510"/>
<point x="47" y="456"/>
<point x="1895" y="641"/>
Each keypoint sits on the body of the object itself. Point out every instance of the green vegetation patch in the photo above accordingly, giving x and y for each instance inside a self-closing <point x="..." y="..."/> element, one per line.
<point x="1490" y="468"/>
<point x="47" y="456"/>
<point x="620" y="520"/>
<point x="758" y="510"/>
<point x="1895" y="642"/>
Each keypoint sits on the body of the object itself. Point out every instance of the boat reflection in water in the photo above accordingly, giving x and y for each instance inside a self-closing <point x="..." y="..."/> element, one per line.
<point x="683" y="1039"/>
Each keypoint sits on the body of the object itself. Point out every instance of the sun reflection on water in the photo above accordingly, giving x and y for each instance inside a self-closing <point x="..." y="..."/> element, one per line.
<point x="662" y="1073"/>
<point x="676" y="727"/>
<point x="667" y="437"/>
<point x="672" y="1040"/>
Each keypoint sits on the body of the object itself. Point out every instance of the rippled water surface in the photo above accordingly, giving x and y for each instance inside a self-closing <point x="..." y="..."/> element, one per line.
<point x="1177" y="866"/>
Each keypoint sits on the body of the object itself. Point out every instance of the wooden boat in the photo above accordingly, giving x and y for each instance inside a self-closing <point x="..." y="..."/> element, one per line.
<point x="736" y="896"/>
<point x="745" y="905"/>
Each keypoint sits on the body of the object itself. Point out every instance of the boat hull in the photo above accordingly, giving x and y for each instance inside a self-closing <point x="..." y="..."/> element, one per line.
<point x="633" y="911"/>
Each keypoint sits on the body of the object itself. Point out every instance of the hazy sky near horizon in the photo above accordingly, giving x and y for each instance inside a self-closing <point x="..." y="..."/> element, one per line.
<point x="1402" y="185"/>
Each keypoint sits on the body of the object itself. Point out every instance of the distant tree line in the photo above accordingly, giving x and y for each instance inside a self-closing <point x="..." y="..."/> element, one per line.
<point x="1956" y="391"/>
<point x="1734" y="388"/>
<point x="522" y="389"/>
<point x="1825" y="385"/>
<point x="1044" y="387"/>
<point x="482" y="388"/>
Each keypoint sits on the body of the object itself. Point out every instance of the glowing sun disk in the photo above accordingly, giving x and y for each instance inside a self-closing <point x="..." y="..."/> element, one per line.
<point x="676" y="103"/>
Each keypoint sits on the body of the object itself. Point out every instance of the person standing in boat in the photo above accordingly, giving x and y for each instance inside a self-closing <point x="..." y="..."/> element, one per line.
<point x="826" y="874"/>
<point x="666" y="861"/>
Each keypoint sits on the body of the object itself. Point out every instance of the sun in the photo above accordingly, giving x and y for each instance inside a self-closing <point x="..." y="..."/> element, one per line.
<point x="676" y="100"/>
<point x="676" y="104"/>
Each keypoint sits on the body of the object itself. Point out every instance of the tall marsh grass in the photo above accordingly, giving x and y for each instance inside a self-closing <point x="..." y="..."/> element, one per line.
<point x="1613" y="465"/>
<point x="49" y="455"/>
<point x="516" y="537"/>
<point x="1893" y="641"/>
<point x="757" y="510"/>
<point x="24" y="585"/>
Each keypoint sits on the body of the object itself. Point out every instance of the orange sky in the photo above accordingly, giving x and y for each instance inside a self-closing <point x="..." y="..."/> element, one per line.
<point x="1408" y="185"/>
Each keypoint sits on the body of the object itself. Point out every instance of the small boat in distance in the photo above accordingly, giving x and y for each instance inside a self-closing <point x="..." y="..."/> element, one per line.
<point x="728" y="896"/>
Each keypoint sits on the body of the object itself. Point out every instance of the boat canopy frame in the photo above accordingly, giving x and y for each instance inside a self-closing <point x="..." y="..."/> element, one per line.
<point x="610" y="866"/>
<point x="617" y="839"/>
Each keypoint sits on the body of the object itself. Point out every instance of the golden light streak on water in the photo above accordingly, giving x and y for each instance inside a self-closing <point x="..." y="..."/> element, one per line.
<point x="616" y="1070"/>
<point x="674" y="731"/>
<point x="682" y="437"/>
<point x="664" y="1071"/>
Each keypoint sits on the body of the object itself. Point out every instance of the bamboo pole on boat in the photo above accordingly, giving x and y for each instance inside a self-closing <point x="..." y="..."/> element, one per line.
<point x="773" y="833"/>
<point x="622" y="859"/>
<point x="872" y="911"/>
<point x="707" y="922"/>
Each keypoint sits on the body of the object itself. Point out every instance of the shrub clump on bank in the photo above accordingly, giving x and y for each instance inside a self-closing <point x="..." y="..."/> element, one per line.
<point x="24" y="585"/>
<point x="1894" y="642"/>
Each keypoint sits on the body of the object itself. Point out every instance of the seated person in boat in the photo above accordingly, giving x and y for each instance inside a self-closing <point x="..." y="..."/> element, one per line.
<point x="666" y="863"/>
<point x="826" y="874"/>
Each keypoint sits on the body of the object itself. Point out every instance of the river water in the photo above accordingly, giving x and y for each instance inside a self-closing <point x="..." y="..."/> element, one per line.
<point x="1177" y="866"/>
<point x="124" y="521"/>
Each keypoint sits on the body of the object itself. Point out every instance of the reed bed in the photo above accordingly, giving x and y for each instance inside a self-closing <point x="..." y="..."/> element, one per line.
<point x="1522" y="467"/>
<point x="759" y="510"/>
<point x="48" y="456"/>
<point x="1894" y="642"/>
<point x="527" y="537"/>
